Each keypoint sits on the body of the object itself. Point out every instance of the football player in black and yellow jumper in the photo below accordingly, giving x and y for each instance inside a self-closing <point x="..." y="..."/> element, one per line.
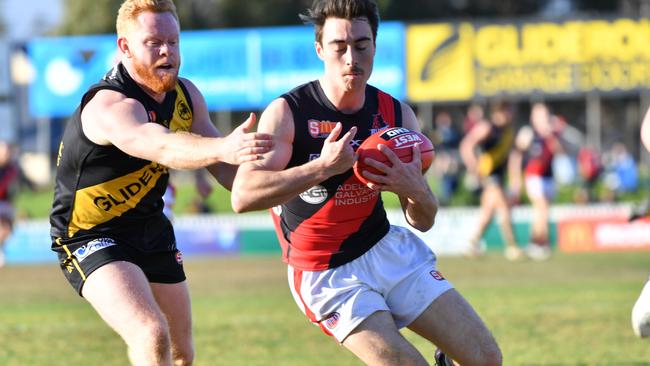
<point x="115" y="245"/>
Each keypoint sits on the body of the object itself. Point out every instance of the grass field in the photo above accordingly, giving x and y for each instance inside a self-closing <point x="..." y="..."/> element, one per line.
<point x="572" y="310"/>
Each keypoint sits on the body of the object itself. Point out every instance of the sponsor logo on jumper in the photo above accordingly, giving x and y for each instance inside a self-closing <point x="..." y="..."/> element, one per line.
<point x="91" y="247"/>
<point x="102" y="202"/>
<point x="378" y="124"/>
<point x="437" y="275"/>
<point x="332" y="320"/>
<point x="320" y="129"/>
<point x="354" y="194"/>
<point x="314" y="195"/>
<point x="313" y="156"/>
<point x="183" y="110"/>
<point x="107" y="200"/>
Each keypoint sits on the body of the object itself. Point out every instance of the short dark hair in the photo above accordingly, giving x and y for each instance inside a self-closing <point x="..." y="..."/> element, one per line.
<point x="344" y="9"/>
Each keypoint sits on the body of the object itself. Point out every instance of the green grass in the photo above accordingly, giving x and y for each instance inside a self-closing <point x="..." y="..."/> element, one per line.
<point x="37" y="204"/>
<point x="572" y="310"/>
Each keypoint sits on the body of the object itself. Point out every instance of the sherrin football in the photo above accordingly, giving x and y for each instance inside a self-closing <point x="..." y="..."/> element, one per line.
<point x="398" y="139"/>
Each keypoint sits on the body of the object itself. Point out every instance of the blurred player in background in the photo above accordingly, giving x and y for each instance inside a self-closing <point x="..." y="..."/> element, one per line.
<point x="641" y="309"/>
<point x="115" y="246"/>
<point x="351" y="272"/>
<point x="535" y="147"/>
<point x="485" y="150"/>
<point x="8" y="180"/>
<point x="203" y="188"/>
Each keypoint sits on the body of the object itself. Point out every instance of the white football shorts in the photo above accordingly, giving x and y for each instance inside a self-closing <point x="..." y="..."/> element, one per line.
<point x="540" y="187"/>
<point x="398" y="274"/>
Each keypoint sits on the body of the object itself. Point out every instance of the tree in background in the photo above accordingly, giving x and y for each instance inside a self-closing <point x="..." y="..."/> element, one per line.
<point x="98" y="16"/>
<point x="88" y="17"/>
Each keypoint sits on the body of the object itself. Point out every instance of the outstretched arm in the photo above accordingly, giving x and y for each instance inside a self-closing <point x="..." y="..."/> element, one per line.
<point x="266" y="183"/>
<point x="111" y="118"/>
<point x="203" y="126"/>
<point x="467" y="145"/>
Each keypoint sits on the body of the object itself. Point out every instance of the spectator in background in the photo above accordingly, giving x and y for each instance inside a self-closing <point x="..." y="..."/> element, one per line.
<point x="485" y="150"/>
<point x="589" y="169"/>
<point x="564" y="162"/>
<point x="8" y="180"/>
<point x="446" y="138"/>
<point x="204" y="189"/>
<point x="475" y="114"/>
<point x="535" y="147"/>
<point x="620" y="175"/>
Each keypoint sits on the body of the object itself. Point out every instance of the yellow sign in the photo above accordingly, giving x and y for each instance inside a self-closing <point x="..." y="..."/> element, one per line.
<point x="439" y="62"/>
<point x="452" y="62"/>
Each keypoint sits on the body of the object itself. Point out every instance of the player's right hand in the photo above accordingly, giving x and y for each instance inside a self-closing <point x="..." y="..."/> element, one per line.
<point x="241" y="145"/>
<point x="338" y="155"/>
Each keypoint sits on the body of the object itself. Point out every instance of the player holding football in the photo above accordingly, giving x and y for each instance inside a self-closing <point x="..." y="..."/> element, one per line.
<point x="641" y="309"/>
<point x="351" y="272"/>
<point x="114" y="244"/>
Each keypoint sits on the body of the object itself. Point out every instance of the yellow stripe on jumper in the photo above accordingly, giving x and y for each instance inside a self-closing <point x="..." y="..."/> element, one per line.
<point x="100" y="203"/>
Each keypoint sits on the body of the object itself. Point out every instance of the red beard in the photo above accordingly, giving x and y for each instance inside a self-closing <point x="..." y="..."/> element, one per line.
<point x="157" y="83"/>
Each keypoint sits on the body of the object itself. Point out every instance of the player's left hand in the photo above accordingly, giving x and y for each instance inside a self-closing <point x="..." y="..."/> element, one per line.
<point x="241" y="145"/>
<point x="400" y="177"/>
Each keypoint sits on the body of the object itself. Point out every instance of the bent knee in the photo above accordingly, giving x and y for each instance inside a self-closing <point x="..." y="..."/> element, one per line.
<point x="490" y="356"/>
<point x="184" y="356"/>
<point x="153" y="331"/>
<point x="486" y="355"/>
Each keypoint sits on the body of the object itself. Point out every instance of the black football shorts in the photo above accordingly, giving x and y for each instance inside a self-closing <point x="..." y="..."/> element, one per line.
<point x="79" y="258"/>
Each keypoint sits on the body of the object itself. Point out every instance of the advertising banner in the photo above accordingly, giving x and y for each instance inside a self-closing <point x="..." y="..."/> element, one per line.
<point x="611" y="233"/>
<point x="5" y="77"/>
<point x="235" y="69"/>
<point x="64" y="68"/>
<point x="462" y="61"/>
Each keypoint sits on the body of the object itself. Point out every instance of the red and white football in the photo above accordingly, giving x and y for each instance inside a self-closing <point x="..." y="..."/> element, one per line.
<point x="398" y="139"/>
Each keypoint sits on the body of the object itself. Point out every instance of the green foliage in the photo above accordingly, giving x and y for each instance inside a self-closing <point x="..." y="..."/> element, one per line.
<point x="98" y="16"/>
<point x="33" y="204"/>
<point x="89" y="17"/>
<point x="566" y="309"/>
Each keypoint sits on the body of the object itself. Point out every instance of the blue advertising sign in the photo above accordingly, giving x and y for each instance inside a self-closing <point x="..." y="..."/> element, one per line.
<point x="235" y="69"/>
<point x="64" y="68"/>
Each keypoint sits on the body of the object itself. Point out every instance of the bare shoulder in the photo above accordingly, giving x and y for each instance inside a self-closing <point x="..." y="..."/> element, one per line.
<point x="107" y="97"/>
<point x="110" y="103"/>
<point x="191" y="88"/>
<point x="277" y="118"/>
<point x="110" y="111"/>
<point x="409" y="120"/>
